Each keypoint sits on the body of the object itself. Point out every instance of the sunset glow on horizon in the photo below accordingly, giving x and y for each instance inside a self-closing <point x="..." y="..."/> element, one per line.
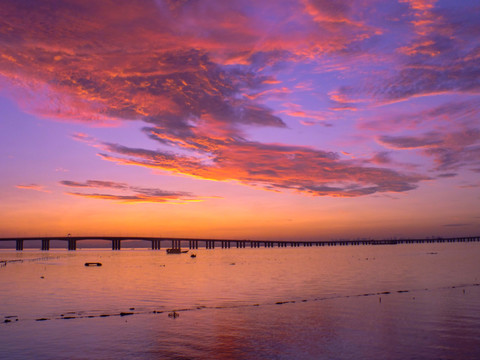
<point x="289" y="119"/>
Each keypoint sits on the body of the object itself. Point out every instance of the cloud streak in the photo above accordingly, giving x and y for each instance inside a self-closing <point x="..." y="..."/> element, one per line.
<point x="35" y="187"/>
<point x="450" y="151"/>
<point x="270" y="166"/>
<point x="139" y="194"/>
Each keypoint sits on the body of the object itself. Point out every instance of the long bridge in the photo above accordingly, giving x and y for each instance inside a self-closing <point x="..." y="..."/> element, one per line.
<point x="194" y="243"/>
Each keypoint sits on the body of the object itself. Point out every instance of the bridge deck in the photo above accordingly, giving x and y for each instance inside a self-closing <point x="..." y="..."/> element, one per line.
<point x="194" y="243"/>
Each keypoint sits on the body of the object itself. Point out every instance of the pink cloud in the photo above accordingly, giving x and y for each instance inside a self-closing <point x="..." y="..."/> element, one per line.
<point x="199" y="72"/>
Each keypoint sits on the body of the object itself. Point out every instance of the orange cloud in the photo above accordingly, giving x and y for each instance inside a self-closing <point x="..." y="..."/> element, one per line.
<point x="35" y="187"/>
<point x="271" y="166"/>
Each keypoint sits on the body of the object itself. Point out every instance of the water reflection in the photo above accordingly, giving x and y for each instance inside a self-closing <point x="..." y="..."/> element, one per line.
<point x="363" y="302"/>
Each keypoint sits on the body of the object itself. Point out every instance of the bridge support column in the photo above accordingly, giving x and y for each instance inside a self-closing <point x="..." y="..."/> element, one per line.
<point x="116" y="244"/>
<point x="19" y="245"/>
<point x="45" y="244"/>
<point x="72" y="244"/>
<point x="156" y="244"/>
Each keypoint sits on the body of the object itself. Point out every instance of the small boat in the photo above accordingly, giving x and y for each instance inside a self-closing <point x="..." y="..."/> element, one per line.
<point x="93" y="264"/>
<point x="176" y="251"/>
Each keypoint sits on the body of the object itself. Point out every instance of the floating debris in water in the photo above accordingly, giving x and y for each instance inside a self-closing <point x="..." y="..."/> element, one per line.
<point x="173" y="315"/>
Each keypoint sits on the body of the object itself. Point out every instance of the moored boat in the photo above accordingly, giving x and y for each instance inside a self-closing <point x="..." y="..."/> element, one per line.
<point x="176" y="251"/>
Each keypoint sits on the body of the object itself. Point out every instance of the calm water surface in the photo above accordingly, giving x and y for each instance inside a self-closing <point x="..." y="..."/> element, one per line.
<point x="417" y="301"/>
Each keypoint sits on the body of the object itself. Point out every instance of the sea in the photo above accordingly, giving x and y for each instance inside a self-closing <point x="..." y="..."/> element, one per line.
<point x="406" y="301"/>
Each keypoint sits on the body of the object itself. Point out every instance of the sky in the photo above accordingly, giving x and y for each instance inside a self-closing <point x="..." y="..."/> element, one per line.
<point x="275" y="119"/>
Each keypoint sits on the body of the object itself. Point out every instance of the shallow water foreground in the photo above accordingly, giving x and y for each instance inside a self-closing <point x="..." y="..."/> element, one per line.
<point x="404" y="301"/>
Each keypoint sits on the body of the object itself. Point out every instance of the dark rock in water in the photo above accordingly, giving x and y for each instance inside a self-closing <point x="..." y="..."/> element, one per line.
<point x="42" y="277"/>
<point x="68" y="317"/>
<point x="173" y="315"/>
<point x="132" y="309"/>
<point x="126" y="313"/>
<point x="193" y="256"/>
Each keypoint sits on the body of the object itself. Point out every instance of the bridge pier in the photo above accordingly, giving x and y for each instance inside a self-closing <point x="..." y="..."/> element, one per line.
<point x="45" y="244"/>
<point x="210" y="244"/>
<point x="19" y="244"/>
<point x="116" y="244"/>
<point x="156" y="244"/>
<point x="72" y="244"/>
